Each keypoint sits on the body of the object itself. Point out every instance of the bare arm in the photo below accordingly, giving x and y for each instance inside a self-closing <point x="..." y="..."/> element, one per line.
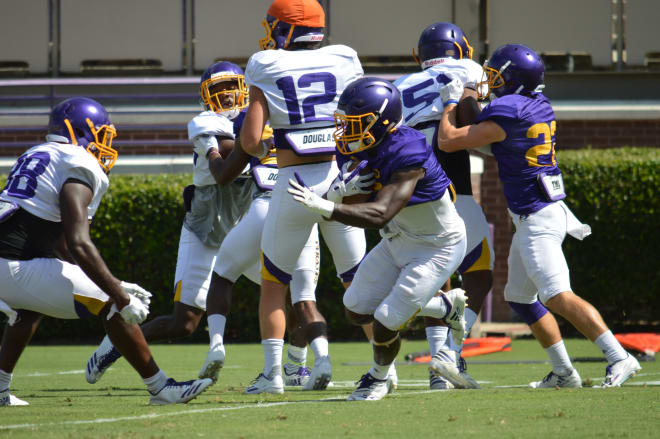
<point x="225" y="171"/>
<point x="389" y="201"/>
<point x="451" y="138"/>
<point x="255" y="120"/>
<point x="74" y="199"/>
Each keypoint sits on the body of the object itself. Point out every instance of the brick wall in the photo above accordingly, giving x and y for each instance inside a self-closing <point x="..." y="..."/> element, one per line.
<point x="571" y="134"/>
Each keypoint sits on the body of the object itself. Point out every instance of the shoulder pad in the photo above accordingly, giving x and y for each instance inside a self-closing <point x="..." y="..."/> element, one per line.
<point x="210" y="123"/>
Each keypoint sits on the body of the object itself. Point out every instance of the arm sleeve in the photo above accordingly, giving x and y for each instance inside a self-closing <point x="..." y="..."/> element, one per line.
<point x="496" y="110"/>
<point x="415" y="156"/>
<point x="83" y="174"/>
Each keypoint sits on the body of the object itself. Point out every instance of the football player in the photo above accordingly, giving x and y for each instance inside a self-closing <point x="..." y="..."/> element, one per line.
<point x="218" y="198"/>
<point x="445" y="54"/>
<point x="240" y="254"/>
<point x="48" y="263"/>
<point x="295" y="86"/>
<point x="520" y="125"/>
<point x="423" y="236"/>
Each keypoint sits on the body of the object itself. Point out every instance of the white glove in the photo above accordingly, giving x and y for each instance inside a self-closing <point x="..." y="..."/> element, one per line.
<point x="452" y="92"/>
<point x="309" y="199"/>
<point x="203" y="143"/>
<point x="11" y="314"/>
<point x="350" y="183"/>
<point x="137" y="291"/>
<point x="134" y="313"/>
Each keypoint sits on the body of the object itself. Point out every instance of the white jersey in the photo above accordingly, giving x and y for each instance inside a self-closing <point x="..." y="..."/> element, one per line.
<point x="302" y="87"/>
<point x="36" y="179"/>
<point x="420" y="92"/>
<point x="207" y="123"/>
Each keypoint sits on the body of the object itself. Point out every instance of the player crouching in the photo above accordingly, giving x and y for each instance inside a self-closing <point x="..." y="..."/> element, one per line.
<point x="423" y="236"/>
<point x="48" y="262"/>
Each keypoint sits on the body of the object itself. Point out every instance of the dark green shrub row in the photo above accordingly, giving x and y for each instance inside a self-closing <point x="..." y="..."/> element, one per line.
<point x="616" y="191"/>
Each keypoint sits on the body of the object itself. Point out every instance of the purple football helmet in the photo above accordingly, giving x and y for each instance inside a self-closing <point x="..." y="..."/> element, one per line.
<point x="513" y="69"/>
<point x="223" y="89"/>
<point x="368" y="110"/>
<point x="442" y="40"/>
<point x="85" y="122"/>
<point x="280" y="35"/>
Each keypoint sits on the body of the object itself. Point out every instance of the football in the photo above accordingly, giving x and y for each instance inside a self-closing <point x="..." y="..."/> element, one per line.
<point x="358" y="198"/>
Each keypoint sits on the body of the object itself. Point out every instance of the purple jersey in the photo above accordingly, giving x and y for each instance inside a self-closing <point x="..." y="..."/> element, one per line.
<point x="528" y="150"/>
<point x="405" y="148"/>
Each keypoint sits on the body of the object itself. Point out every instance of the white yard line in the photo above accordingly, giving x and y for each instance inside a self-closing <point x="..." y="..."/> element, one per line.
<point x="45" y="374"/>
<point x="189" y="412"/>
<point x="340" y="384"/>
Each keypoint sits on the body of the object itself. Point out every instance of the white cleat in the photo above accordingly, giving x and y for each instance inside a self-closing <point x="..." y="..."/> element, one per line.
<point x="103" y="357"/>
<point x="620" y="372"/>
<point x="392" y="378"/>
<point x="552" y="380"/>
<point x="445" y="365"/>
<point x="455" y="317"/>
<point x="370" y="389"/>
<point x="321" y="375"/>
<point x="437" y="382"/>
<point x="263" y="384"/>
<point x="295" y="375"/>
<point x="215" y="360"/>
<point x="7" y="399"/>
<point x="462" y="367"/>
<point x="179" y="392"/>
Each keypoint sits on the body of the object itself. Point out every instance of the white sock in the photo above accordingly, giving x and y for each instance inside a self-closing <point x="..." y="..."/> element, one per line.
<point x="436" y="336"/>
<point x="380" y="372"/>
<point x="561" y="363"/>
<point x="436" y="308"/>
<point x="320" y="347"/>
<point x="216" y="329"/>
<point x="5" y="380"/>
<point x="156" y="383"/>
<point x="272" y="356"/>
<point x="297" y="355"/>
<point x="611" y="347"/>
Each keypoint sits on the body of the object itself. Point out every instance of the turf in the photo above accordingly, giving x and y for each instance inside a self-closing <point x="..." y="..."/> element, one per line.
<point x="64" y="405"/>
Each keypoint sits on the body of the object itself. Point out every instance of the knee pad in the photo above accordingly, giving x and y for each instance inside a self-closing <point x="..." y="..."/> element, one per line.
<point x="529" y="312"/>
<point x="385" y="315"/>
<point x="358" y="319"/>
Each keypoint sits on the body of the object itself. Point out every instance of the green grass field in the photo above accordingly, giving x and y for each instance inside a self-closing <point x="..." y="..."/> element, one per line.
<point x="64" y="405"/>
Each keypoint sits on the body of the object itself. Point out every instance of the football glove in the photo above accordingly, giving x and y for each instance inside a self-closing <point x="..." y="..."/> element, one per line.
<point x="302" y="194"/>
<point x="10" y="313"/>
<point x="452" y="92"/>
<point x="134" y="313"/>
<point x="137" y="291"/>
<point x="350" y="183"/>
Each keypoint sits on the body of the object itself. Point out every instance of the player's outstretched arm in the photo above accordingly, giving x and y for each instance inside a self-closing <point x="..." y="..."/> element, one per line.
<point x="75" y="196"/>
<point x="389" y="201"/>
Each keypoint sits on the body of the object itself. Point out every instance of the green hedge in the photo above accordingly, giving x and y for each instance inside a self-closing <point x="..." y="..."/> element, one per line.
<point x="616" y="191"/>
